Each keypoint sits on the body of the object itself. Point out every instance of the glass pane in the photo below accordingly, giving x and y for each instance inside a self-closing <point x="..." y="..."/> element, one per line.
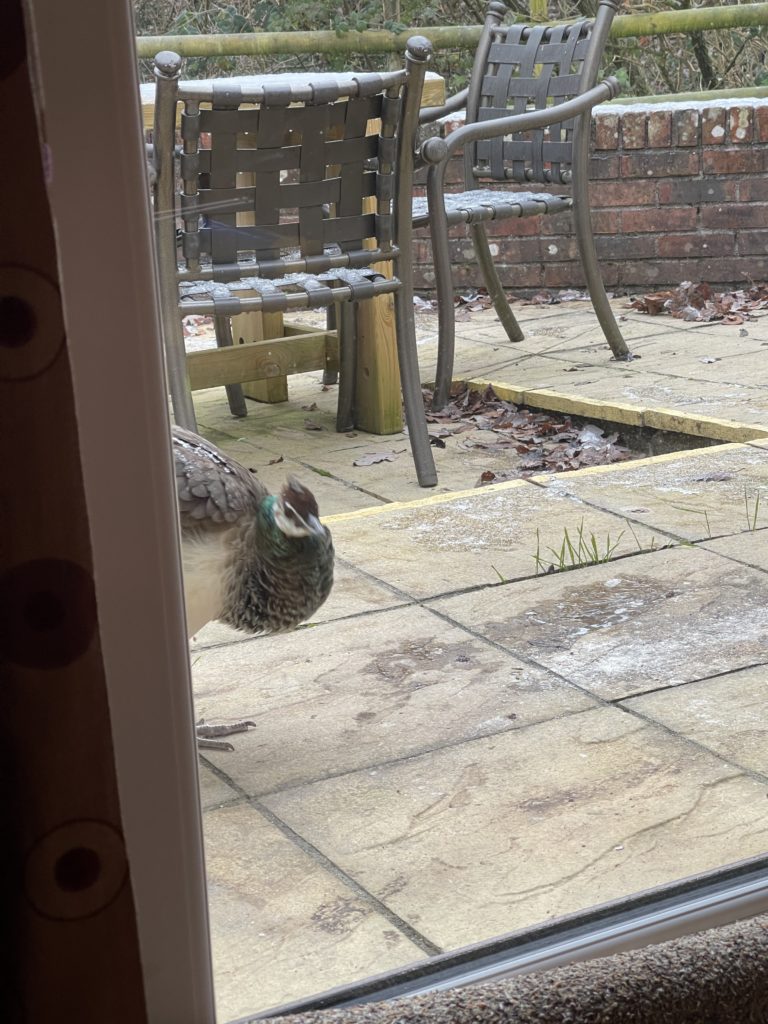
<point x="447" y="755"/>
<point x="521" y="701"/>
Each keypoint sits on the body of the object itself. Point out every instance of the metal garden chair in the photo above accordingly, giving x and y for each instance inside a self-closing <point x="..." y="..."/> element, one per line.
<point x="311" y="244"/>
<point x="528" y="112"/>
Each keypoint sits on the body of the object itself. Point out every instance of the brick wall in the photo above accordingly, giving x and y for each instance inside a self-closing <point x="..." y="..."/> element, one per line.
<point x="679" y="192"/>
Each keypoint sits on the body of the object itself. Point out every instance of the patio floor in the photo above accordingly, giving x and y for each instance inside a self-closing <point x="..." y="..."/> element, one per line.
<point x="457" y="748"/>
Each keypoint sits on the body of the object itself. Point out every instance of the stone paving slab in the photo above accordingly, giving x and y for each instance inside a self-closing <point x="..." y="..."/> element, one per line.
<point x="726" y="714"/>
<point x="689" y="350"/>
<point x="752" y="367"/>
<point x="738" y="402"/>
<point x="510" y="830"/>
<point x="214" y="791"/>
<point x="380" y="688"/>
<point x="749" y="548"/>
<point x="477" y="537"/>
<point x="695" y="495"/>
<point x="631" y="626"/>
<point x="333" y="495"/>
<point x="281" y="924"/>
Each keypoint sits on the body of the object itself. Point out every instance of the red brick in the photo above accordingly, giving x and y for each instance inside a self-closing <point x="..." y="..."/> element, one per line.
<point x="633" y="129"/>
<point x="515" y="275"/>
<point x="752" y="242"/>
<point x="753" y="190"/>
<point x="761" y="124"/>
<point x="556" y="250"/>
<point x="713" y="126"/>
<point x="563" y="275"/>
<point x="604" y="167"/>
<point x="697" y="191"/>
<point x="557" y="224"/>
<point x="740" y="125"/>
<point x="523" y="249"/>
<point x="735" y="161"/>
<point x="454" y="174"/>
<point x="524" y="227"/>
<point x="685" y="127"/>
<point x="644" y="274"/>
<point x="736" y="269"/>
<point x="421" y="250"/>
<point x="748" y="215"/>
<point x="662" y="164"/>
<point x="606" y="222"/>
<point x="696" y="244"/>
<point x="676" y="218"/>
<point x="620" y="246"/>
<point x="623" y="193"/>
<point x="659" y="128"/>
<point x="606" y="131"/>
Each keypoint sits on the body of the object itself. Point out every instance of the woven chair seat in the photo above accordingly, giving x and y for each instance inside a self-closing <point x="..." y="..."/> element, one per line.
<point x="277" y="295"/>
<point x="491" y="204"/>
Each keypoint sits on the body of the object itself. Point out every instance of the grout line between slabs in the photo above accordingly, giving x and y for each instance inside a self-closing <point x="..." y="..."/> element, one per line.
<point x="319" y="858"/>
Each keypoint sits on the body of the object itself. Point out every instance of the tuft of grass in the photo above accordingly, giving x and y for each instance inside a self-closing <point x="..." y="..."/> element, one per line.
<point x="653" y="545"/>
<point x="575" y="552"/>
<point x="752" y="512"/>
<point x="698" y="512"/>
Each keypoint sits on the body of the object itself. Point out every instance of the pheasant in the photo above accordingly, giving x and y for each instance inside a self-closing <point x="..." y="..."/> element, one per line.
<point x="260" y="562"/>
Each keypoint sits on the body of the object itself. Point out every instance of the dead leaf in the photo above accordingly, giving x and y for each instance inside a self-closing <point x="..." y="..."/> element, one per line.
<point x="311" y="425"/>
<point x="545" y="441"/>
<point x="274" y="462"/>
<point x="310" y="408"/>
<point x="543" y="298"/>
<point x="700" y="303"/>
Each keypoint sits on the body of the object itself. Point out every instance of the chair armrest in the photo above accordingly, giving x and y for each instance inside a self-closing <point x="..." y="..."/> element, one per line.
<point x="436" y="150"/>
<point x="451" y="105"/>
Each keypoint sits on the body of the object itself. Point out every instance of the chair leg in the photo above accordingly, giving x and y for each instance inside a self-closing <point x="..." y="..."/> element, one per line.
<point x="493" y="284"/>
<point x="586" y="242"/>
<point x="330" y="376"/>
<point x="446" y="316"/>
<point x="223" y="327"/>
<point x="176" y="367"/>
<point x="410" y="382"/>
<point x="345" y="318"/>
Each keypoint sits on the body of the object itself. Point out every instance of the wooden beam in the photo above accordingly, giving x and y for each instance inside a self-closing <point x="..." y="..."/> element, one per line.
<point x="262" y="360"/>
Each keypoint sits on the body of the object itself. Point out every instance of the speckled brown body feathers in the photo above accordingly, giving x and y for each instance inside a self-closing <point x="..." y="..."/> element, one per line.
<point x="239" y="567"/>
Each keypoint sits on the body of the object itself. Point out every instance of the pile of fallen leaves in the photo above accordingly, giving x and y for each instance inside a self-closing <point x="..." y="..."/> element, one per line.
<point x="543" y="442"/>
<point x="699" y="302"/>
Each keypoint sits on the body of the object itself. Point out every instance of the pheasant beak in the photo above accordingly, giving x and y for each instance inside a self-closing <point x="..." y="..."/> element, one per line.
<point x="315" y="525"/>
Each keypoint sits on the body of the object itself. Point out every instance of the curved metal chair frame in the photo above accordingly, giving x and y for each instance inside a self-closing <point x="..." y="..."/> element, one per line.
<point x="528" y="112"/>
<point x="311" y="244"/>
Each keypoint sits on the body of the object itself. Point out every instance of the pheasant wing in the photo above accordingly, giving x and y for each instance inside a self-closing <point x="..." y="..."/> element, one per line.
<point x="213" y="490"/>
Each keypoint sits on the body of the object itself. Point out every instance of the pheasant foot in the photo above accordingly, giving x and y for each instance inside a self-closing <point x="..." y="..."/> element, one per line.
<point x="207" y="734"/>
